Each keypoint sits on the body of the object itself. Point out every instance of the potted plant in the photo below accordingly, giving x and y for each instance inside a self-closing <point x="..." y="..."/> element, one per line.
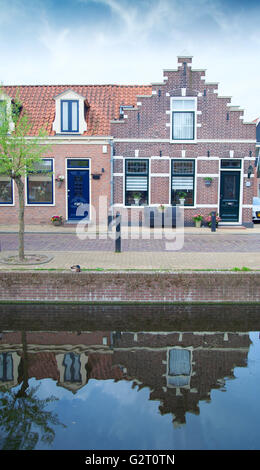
<point x="182" y="195"/>
<point x="161" y="208"/>
<point x="57" y="220"/>
<point x="209" y="220"/>
<point x="137" y="197"/>
<point x="208" y="181"/>
<point x="198" y="218"/>
<point x="59" y="180"/>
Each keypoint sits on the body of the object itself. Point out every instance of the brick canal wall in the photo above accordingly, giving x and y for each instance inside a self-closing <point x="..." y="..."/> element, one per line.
<point x="130" y="286"/>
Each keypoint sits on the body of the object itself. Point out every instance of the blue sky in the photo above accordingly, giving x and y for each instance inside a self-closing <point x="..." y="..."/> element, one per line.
<point x="131" y="42"/>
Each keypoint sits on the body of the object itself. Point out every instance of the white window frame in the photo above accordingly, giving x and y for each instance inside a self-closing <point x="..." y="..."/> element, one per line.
<point x="70" y="95"/>
<point x="9" y="204"/>
<point x="27" y="204"/>
<point x="184" y="98"/>
<point x="148" y="182"/>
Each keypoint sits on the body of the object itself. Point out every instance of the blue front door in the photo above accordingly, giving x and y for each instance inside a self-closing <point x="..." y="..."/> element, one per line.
<point x="78" y="194"/>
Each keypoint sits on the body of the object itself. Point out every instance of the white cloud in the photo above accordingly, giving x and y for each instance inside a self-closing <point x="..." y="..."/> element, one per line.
<point x="137" y="41"/>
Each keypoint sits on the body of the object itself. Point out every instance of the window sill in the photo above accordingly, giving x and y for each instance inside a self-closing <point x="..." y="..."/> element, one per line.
<point x="194" y="141"/>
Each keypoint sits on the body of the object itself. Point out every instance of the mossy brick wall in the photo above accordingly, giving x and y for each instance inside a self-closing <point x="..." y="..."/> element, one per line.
<point x="130" y="286"/>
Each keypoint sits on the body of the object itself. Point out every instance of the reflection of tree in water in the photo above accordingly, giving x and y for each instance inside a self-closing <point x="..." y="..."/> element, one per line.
<point x="24" y="419"/>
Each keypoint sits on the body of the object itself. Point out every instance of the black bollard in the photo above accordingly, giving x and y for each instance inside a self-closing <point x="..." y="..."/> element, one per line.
<point x="118" y="233"/>
<point x="213" y="221"/>
<point x="151" y="219"/>
<point x="109" y="222"/>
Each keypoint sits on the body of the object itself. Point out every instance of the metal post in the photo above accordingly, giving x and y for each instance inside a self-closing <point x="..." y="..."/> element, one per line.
<point x="118" y="233"/>
<point x="151" y="219"/>
<point x="213" y="221"/>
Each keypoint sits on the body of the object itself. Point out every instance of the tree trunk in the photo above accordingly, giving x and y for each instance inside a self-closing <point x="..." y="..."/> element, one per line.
<point x="20" y="186"/>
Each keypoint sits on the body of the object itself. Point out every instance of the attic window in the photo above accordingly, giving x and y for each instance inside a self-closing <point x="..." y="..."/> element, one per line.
<point x="70" y="113"/>
<point x="121" y="110"/>
<point x="69" y="116"/>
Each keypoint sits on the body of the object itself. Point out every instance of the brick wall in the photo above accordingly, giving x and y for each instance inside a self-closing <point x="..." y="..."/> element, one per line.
<point x="220" y="130"/>
<point x="130" y="287"/>
<point x="42" y="214"/>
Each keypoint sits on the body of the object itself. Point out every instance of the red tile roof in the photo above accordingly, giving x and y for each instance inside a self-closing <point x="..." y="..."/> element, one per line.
<point x="104" y="102"/>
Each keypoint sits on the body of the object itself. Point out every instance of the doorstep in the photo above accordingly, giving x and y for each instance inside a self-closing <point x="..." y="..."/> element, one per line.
<point x="232" y="227"/>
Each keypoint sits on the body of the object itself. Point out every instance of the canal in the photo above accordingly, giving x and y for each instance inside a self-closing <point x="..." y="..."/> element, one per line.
<point x="129" y="377"/>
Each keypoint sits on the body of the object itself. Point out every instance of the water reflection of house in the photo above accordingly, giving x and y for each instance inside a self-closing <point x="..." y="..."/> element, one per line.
<point x="179" y="368"/>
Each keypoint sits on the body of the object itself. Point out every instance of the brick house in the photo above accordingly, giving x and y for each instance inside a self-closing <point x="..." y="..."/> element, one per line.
<point x="77" y="120"/>
<point x="180" y="369"/>
<point x="257" y="161"/>
<point x="136" y="147"/>
<point x="175" y="137"/>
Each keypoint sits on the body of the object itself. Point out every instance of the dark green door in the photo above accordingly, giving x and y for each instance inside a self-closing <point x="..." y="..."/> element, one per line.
<point x="229" y="196"/>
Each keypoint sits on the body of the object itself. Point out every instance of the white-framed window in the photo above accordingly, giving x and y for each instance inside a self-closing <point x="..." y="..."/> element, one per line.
<point x="182" y="181"/>
<point x="136" y="182"/>
<point x="183" y="119"/>
<point x="40" y="183"/>
<point x="70" y="113"/>
<point x="179" y="367"/>
<point x="6" y="190"/>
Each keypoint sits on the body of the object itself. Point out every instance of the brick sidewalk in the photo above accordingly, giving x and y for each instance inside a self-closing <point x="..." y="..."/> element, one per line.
<point x="225" y="249"/>
<point x="145" y="260"/>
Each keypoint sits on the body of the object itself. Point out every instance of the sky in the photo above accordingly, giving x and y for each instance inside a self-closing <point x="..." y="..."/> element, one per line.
<point x="131" y="42"/>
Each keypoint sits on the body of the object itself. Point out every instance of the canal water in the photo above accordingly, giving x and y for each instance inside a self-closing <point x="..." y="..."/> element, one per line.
<point x="129" y="377"/>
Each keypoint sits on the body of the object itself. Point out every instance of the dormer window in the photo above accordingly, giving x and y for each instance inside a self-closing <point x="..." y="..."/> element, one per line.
<point x="70" y="113"/>
<point x="69" y="116"/>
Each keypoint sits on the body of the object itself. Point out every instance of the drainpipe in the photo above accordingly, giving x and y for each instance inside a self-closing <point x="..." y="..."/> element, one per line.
<point x="111" y="215"/>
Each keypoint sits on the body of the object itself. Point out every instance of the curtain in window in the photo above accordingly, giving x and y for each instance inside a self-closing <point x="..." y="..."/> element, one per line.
<point x="136" y="183"/>
<point x="74" y="116"/>
<point x="6" y="367"/>
<point x="65" y="115"/>
<point x="6" y="196"/>
<point x="179" y="363"/>
<point x="183" y="126"/>
<point x="72" y="367"/>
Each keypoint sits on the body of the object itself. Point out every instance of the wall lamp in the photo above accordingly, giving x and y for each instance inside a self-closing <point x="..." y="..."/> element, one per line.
<point x="249" y="171"/>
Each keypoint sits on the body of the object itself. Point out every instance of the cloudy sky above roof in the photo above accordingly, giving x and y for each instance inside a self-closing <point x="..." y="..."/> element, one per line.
<point x="131" y="42"/>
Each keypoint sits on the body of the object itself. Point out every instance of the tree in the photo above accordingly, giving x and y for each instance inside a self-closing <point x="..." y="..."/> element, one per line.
<point x="19" y="151"/>
<point x="24" y="418"/>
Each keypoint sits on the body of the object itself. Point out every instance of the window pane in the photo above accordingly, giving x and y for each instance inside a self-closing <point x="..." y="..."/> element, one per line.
<point x="39" y="183"/>
<point x="72" y="366"/>
<point x="179" y="362"/>
<point x="183" y="167"/>
<point x="65" y="116"/>
<point x="74" y="116"/>
<point x="40" y="189"/>
<point x="183" y="182"/>
<point x="183" y="125"/>
<point x="231" y="163"/>
<point x="43" y="166"/>
<point x="6" y="196"/>
<point x="182" y="105"/>
<point x="6" y="367"/>
<point x="73" y="163"/>
<point x="136" y="166"/>
<point x="136" y="183"/>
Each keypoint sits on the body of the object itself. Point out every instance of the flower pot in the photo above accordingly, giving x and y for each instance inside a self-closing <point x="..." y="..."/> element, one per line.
<point x="57" y="222"/>
<point x="197" y="223"/>
<point x="207" y="183"/>
<point x="136" y="201"/>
